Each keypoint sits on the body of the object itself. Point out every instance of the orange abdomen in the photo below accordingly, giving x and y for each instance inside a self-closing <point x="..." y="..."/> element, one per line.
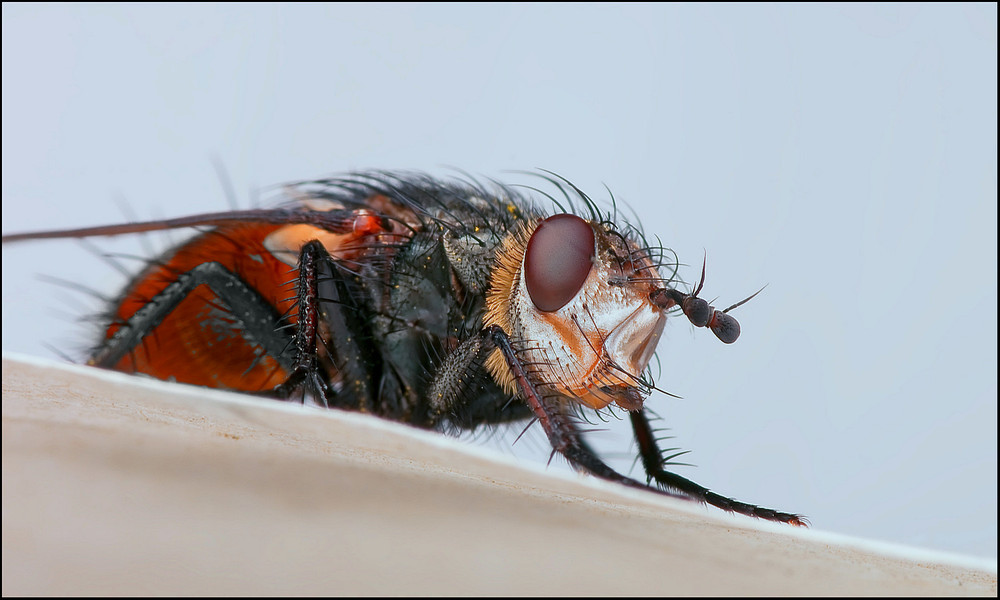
<point x="200" y="341"/>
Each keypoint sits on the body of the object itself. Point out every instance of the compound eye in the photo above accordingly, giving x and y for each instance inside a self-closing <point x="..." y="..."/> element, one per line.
<point x="557" y="261"/>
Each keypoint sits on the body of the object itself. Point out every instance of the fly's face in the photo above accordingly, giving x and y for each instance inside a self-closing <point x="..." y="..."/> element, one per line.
<point x="575" y="298"/>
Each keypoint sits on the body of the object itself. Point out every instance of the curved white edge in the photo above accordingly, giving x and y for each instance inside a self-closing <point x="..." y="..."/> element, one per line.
<point x="887" y="549"/>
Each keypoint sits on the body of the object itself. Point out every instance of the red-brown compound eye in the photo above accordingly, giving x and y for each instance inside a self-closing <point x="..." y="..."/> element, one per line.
<point x="557" y="261"/>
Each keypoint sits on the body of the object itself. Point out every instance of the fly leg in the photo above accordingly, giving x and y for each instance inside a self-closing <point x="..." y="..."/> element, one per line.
<point x="329" y="293"/>
<point x="463" y="393"/>
<point x="564" y="436"/>
<point x="559" y="426"/>
<point x="305" y="370"/>
<point x="652" y="462"/>
<point x="324" y="291"/>
<point x="451" y="380"/>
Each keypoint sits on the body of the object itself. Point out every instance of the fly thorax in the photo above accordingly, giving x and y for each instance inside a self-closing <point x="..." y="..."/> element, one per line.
<point x="348" y="235"/>
<point x="471" y="255"/>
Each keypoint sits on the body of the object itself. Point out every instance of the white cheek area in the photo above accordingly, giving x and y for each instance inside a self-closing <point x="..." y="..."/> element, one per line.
<point x="633" y="343"/>
<point x="601" y="321"/>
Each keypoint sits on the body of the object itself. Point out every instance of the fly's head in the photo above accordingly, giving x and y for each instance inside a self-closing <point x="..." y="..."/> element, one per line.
<point x="575" y="296"/>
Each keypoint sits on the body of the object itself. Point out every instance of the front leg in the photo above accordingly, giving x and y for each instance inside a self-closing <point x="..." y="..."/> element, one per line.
<point x="559" y="424"/>
<point x="652" y="462"/>
<point x="564" y="436"/>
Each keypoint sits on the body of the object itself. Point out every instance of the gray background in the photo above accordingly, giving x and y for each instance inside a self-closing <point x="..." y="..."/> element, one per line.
<point x="844" y="155"/>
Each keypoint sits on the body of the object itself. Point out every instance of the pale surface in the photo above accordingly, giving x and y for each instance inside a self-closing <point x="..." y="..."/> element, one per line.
<point x="115" y="485"/>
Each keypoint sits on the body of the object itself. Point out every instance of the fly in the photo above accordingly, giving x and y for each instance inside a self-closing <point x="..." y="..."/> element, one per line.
<point x="447" y="305"/>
